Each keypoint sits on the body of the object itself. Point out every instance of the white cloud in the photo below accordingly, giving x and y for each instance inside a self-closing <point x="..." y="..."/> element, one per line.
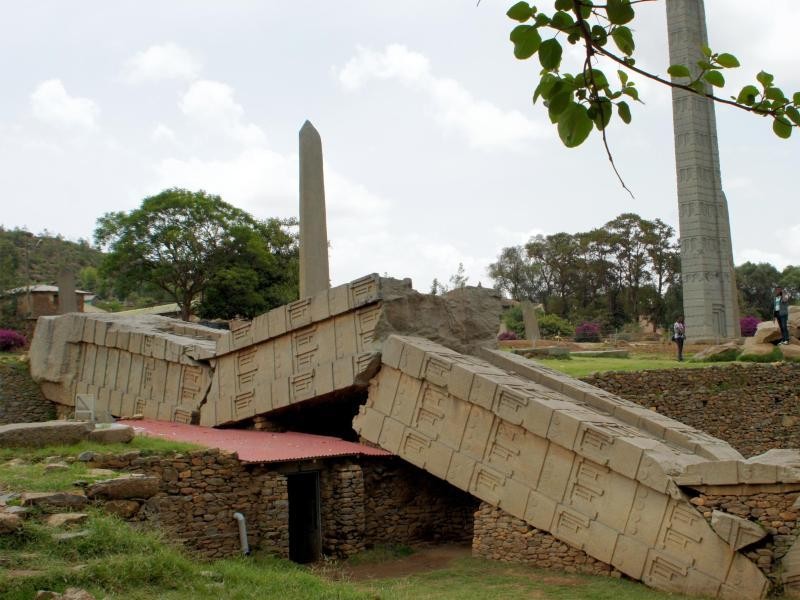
<point x="52" y="104"/>
<point x="784" y="249"/>
<point x="483" y="124"/>
<point x="211" y="103"/>
<point x="162" y="133"/>
<point x="160" y="62"/>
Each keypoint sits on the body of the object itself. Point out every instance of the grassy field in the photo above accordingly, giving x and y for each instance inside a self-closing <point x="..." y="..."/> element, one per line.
<point x="583" y="366"/>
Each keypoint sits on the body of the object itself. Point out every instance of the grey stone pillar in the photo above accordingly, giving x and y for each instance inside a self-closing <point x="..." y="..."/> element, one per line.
<point x="530" y="320"/>
<point x="710" y="300"/>
<point x="314" y="273"/>
<point x="67" y="301"/>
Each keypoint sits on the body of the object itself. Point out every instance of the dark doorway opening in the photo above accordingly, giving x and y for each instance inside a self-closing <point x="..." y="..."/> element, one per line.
<point x="305" y="539"/>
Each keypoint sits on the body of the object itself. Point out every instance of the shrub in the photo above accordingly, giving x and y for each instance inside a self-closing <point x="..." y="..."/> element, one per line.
<point x="749" y="325"/>
<point x="513" y="320"/>
<point x="507" y="335"/>
<point x="587" y="332"/>
<point x="11" y="340"/>
<point x="551" y="325"/>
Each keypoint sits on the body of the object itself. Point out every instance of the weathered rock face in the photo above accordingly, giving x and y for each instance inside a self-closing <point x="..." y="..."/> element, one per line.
<point x="65" y="519"/>
<point x="726" y="351"/>
<point x="9" y="523"/>
<point x="754" y="348"/>
<point x="766" y="332"/>
<point x="47" y="433"/>
<point x="123" y="488"/>
<point x="738" y="532"/>
<point x="114" y="433"/>
<point x="21" y="400"/>
<point x="54" y="499"/>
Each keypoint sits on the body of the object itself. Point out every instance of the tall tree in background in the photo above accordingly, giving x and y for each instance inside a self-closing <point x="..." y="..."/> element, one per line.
<point x="756" y="283"/>
<point x="182" y="242"/>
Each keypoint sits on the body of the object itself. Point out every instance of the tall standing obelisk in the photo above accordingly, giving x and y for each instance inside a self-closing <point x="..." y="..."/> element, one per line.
<point x="314" y="273"/>
<point x="710" y="301"/>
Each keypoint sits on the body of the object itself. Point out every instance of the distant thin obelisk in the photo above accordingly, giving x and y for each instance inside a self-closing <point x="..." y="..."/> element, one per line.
<point x="67" y="301"/>
<point x="314" y="273"/>
<point x="710" y="301"/>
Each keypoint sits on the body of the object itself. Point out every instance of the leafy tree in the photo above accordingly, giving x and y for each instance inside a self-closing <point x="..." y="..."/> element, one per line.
<point x="514" y="274"/>
<point x="256" y="270"/>
<point x="458" y="279"/>
<point x="790" y="280"/>
<point x="756" y="283"/>
<point x="177" y="241"/>
<point x="585" y="99"/>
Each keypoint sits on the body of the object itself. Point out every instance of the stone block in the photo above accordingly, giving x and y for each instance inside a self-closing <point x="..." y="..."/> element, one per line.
<point x="47" y="433"/>
<point x="736" y="531"/>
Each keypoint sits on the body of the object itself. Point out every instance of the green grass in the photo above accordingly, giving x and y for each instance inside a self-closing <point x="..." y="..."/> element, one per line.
<point x="145" y="444"/>
<point x="478" y="579"/>
<point x="584" y="365"/>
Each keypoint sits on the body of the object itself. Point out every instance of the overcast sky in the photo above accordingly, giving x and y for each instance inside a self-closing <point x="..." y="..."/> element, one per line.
<point x="434" y="154"/>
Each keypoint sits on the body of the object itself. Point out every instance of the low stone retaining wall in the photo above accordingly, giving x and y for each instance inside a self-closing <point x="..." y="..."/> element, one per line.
<point x="21" y="401"/>
<point x="754" y="408"/>
<point x="501" y="536"/>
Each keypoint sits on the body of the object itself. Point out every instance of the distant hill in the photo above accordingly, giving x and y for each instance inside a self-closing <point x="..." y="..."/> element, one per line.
<point x="41" y="256"/>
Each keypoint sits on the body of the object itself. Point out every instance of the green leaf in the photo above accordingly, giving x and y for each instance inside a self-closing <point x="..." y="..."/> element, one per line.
<point x="631" y="91"/>
<point x="586" y="9"/>
<point x="679" y="71"/>
<point x="550" y="54"/>
<point x="526" y="40"/>
<point x="780" y="125"/>
<point x="619" y="12"/>
<point x="706" y="51"/>
<point x="574" y="125"/>
<point x="542" y="20"/>
<point x="796" y="98"/>
<point x="624" y="112"/>
<point x="623" y="77"/>
<point x="558" y="104"/>
<point x="698" y="87"/>
<point x="521" y="12"/>
<point x="599" y="35"/>
<point x="600" y="113"/>
<point x="793" y="114"/>
<point x="729" y="61"/>
<point x="563" y="4"/>
<point x="774" y="93"/>
<point x="546" y="84"/>
<point x="747" y="95"/>
<point x="562" y="20"/>
<point x="715" y="78"/>
<point x="623" y="38"/>
<point x="765" y="78"/>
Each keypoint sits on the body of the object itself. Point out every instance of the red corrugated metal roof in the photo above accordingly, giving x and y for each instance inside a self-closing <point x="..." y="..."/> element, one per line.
<point x="256" y="446"/>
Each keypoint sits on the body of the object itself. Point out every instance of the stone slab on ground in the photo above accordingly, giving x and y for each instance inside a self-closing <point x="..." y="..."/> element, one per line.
<point x="124" y="509"/>
<point x="756" y="349"/>
<point x="9" y="523"/>
<point x="718" y="352"/>
<point x="65" y="519"/>
<point x="114" y="433"/>
<point x="545" y="352"/>
<point x="47" y="433"/>
<point x="54" y="499"/>
<point x="125" y="487"/>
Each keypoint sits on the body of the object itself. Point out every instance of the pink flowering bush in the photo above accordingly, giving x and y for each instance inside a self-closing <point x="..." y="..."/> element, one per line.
<point x="587" y="332"/>
<point x="748" y="325"/>
<point x="11" y="340"/>
<point x="507" y="335"/>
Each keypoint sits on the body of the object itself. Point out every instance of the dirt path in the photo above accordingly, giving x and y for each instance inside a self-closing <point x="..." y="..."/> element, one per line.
<point x="424" y="559"/>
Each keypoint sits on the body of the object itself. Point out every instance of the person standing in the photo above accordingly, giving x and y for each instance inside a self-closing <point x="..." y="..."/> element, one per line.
<point x="679" y="335"/>
<point x="781" y="313"/>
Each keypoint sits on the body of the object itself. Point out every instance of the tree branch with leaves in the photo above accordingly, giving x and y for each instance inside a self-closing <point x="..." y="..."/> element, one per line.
<point x="579" y="102"/>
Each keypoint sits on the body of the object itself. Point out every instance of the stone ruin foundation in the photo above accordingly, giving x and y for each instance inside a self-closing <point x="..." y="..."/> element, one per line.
<point x="533" y="465"/>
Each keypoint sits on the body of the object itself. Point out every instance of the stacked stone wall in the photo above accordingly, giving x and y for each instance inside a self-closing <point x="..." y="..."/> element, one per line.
<point x="755" y="408"/>
<point x="200" y="492"/>
<point x="501" y="536"/>
<point x="406" y="505"/>
<point x="342" y="510"/>
<point x="21" y="401"/>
